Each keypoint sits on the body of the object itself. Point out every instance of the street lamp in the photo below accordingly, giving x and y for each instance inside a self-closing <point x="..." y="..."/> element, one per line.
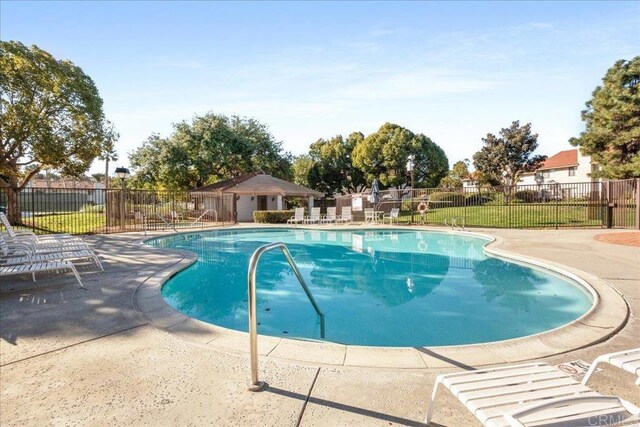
<point x="122" y="173"/>
<point x="411" y="160"/>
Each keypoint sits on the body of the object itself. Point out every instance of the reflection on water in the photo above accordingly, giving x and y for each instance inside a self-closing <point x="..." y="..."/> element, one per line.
<point x="382" y="287"/>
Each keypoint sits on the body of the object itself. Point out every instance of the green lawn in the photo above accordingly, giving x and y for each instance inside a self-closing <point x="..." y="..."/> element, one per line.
<point x="67" y="222"/>
<point x="515" y="216"/>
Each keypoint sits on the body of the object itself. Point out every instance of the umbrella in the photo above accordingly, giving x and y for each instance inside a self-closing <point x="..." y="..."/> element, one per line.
<point x="374" y="197"/>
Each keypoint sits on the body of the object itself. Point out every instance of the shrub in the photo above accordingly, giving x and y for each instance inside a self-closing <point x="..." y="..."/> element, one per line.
<point x="272" y="217"/>
<point x="527" y="196"/>
<point x="476" y="199"/>
<point x="456" y="199"/>
<point x="92" y="207"/>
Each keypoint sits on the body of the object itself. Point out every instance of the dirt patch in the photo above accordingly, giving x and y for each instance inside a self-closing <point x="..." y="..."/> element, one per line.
<point x="626" y="239"/>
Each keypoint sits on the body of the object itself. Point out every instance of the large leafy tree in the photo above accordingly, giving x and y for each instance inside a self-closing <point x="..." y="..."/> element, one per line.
<point x="506" y="157"/>
<point x="50" y="118"/>
<point x="458" y="172"/>
<point x="384" y="155"/>
<point x="209" y="149"/>
<point x="612" y="118"/>
<point x="333" y="170"/>
<point x="301" y="167"/>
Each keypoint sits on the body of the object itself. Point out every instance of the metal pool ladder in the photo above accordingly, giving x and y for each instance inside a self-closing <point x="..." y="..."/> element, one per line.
<point x="256" y="385"/>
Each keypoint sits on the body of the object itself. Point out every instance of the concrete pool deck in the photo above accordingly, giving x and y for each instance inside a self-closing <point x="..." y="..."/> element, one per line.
<point x="70" y="356"/>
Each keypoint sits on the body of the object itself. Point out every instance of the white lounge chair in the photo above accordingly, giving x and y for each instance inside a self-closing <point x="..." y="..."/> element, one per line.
<point x="345" y="215"/>
<point x="628" y="360"/>
<point x="531" y="394"/>
<point x="33" y="268"/>
<point x="330" y="217"/>
<point x="392" y="216"/>
<point x="314" y="218"/>
<point x="38" y="246"/>
<point x="16" y="254"/>
<point x="369" y="215"/>
<point x="13" y="234"/>
<point x="298" y="217"/>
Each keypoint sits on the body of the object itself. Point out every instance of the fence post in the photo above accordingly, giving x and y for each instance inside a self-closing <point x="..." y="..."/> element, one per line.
<point x="609" y="204"/>
<point x="33" y="210"/>
<point x="637" y="204"/>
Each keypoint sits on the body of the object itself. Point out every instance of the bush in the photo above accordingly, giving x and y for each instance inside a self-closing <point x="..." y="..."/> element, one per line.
<point x="527" y="196"/>
<point x="456" y="199"/>
<point x="272" y="217"/>
<point x="92" y="207"/>
<point x="476" y="199"/>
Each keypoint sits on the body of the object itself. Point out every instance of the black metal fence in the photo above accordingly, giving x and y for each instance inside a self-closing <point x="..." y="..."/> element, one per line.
<point x="553" y="205"/>
<point x="585" y="204"/>
<point x="82" y="211"/>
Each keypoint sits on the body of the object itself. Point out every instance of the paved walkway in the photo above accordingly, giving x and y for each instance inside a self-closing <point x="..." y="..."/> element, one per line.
<point x="627" y="239"/>
<point x="75" y="357"/>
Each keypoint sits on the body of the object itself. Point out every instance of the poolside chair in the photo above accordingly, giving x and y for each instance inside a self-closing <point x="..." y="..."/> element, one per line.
<point x="330" y="217"/>
<point x="298" y="217"/>
<point x="392" y="216"/>
<point x="628" y="360"/>
<point x="314" y="218"/>
<point x="18" y="253"/>
<point x="13" y="234"/>
<point x="369" y="215"/>
<point x="345" y="215"/>
<point x="535" y="393"/>
<point x="38" y="267"/>
<point x="42" y="246"/>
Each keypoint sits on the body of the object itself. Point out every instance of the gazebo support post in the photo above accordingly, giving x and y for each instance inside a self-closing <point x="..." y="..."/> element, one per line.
<point x="310" y="205"/>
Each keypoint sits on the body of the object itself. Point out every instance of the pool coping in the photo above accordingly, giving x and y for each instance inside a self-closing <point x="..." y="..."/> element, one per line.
<point x="607" y="316"/>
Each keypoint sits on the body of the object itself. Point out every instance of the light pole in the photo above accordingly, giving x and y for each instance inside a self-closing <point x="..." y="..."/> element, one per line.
<point x="410" y="166"/>
<point x="122" y="173"/>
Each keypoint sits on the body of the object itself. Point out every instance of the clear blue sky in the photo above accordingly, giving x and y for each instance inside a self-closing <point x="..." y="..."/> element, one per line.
<point x="452" y="70"/>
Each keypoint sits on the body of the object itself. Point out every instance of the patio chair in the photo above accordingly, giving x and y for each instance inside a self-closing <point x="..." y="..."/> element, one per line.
<point x="392" y="216"/>
<point x="42" y="246"/>
<point x="38" y="267"/>
<point x="536" y="393"/>
<point x="369" y="215"/>
<point x="628" y="360"/>
<point x="345" y="216"/>
<point x="27" y="234"/>
<point x="298" y="216"/>
<point x="330" y="217"/>
<point x="314" y="218"/>
<point x="18" y="253"/>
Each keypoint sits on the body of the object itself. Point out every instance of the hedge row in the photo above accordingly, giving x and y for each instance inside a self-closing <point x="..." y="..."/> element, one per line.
<point x="272" y="217"/>
<point x="457" y="199"/>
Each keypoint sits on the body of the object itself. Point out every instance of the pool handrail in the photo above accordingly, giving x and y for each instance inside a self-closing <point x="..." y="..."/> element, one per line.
<point x="255" y="384"/>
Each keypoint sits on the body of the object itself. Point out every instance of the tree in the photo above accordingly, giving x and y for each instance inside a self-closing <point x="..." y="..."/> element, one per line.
<point x="209" y="149"/>
<point x="506" y="158"/>
<point x="458" y="172"/>
<point x="99" y="177"/>
<point x="612" y="117"/>
<point x="333" y="170"/>
<point x="384" y="155"/>
<point x="50" y="117"/>
<point x="301" y="167"/>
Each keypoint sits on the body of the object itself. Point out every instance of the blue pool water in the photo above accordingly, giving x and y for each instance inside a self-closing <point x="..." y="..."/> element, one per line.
<point x="376" y="287"/>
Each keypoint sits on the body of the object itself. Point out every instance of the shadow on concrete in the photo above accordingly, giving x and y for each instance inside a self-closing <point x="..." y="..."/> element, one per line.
<point x="54" y="312"/>
<point x="347" y="408"/>
<point x="445" y="359"/>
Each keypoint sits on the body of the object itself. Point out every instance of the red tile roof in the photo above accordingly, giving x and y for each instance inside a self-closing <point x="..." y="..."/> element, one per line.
<point x="563" y="159"/>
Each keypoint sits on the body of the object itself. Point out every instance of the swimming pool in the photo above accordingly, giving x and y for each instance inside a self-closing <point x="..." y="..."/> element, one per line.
<point x="379" y="287"/>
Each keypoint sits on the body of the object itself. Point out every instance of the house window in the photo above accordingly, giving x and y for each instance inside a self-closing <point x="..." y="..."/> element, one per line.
<point x="546" y="174"/>
<point x="572" y="171"/>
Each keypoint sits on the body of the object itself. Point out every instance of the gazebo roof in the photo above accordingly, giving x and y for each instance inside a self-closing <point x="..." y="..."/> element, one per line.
<point x="259" y="183"/>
